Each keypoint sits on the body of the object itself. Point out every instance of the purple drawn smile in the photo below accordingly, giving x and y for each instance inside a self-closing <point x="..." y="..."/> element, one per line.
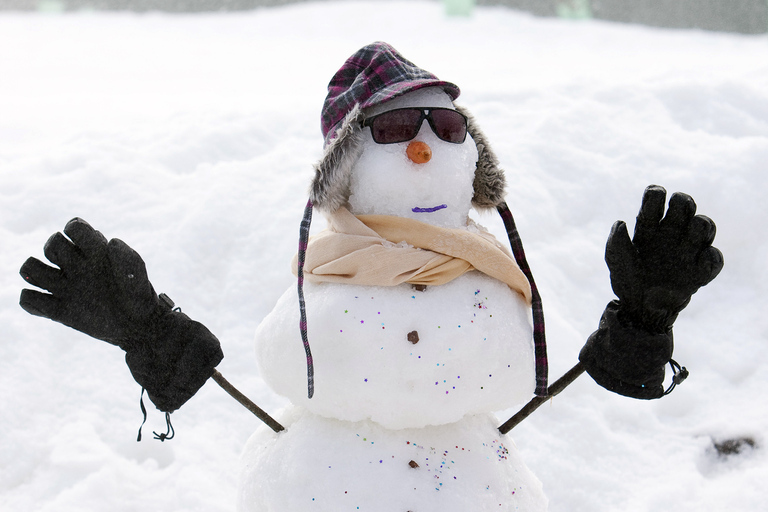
<point x="428" y="210"/>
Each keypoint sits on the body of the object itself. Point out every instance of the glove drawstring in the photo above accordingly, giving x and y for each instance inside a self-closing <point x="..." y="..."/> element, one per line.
<point x="144" y="412"/>
<point x="679" y="374"/>
<point x="166" y="301"/>
<point x="161" y="437"/>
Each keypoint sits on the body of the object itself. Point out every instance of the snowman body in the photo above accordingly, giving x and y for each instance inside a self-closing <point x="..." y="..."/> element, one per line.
<point x="406" y="378"/>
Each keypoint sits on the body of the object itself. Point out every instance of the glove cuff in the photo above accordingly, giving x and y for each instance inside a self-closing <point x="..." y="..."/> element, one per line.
<point x="626" y="359"/>
<point x="173" y="358"/>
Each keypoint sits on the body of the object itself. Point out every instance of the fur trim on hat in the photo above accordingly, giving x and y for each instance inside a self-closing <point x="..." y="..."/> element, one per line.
<point x="330" y="187"/>
<point x="490" y="183"/>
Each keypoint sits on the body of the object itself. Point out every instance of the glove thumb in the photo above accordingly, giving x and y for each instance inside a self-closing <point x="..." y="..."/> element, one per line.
<point x="621" y="257"/>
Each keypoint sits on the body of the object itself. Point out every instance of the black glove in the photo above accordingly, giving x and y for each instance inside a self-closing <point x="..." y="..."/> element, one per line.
<point x="654" y="276"/>
<point x="101" y="288"/>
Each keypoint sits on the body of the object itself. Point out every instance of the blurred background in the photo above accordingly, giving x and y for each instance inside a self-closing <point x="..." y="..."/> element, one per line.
<point x="744" y="16"/>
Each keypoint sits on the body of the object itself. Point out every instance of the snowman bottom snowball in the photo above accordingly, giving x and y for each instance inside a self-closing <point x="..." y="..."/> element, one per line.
<point x="328" y="465"/>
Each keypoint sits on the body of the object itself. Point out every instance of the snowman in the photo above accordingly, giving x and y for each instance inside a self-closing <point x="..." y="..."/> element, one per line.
<point x="411" y="324"/>
<point x="413" y="346"/>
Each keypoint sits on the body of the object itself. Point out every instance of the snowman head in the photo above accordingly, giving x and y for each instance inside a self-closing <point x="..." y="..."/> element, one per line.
<point x="390" y="176"/>
<point x="416" y="160"/>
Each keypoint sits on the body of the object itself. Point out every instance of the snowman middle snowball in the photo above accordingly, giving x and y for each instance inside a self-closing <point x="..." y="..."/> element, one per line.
<point x="474" y="352"/>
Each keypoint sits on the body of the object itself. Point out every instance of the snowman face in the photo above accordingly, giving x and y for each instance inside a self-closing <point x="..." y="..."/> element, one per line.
<point x="386" y="181"/>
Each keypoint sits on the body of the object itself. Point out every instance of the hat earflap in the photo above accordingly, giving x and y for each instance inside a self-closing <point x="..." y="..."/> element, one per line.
<point x="489" y="181"/>
<point x="330" y="186"/>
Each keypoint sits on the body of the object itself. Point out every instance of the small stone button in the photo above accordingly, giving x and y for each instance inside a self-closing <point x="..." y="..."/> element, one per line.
<point x="413" y="337"/>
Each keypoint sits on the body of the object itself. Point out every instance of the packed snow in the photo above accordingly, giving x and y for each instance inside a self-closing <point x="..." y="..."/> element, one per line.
<point x="192" y="138"/>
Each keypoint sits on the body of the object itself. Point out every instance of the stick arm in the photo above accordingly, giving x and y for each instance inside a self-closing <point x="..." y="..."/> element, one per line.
<point x="246" y="402"/>
<point x="537" y="401"/>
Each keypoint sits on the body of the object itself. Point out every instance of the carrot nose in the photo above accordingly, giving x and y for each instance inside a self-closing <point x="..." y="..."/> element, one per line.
<point x="419" y="152"/>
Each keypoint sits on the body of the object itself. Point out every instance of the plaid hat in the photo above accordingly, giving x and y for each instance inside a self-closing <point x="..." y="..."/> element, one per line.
<point x="374" y="74"/>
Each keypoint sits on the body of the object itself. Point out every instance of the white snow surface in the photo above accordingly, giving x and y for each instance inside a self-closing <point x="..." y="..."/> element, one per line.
<point x="191" y="137"/>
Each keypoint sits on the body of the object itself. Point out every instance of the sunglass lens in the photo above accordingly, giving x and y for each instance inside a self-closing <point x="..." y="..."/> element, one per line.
<point x="449" y="125"/>
<point x="396" y="126"/>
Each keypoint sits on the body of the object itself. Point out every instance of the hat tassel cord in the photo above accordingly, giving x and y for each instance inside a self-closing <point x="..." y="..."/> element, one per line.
<point x="559" y="385"/>
<point x="246" y="402"/>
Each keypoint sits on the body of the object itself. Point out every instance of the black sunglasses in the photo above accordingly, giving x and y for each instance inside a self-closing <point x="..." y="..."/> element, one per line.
<point x="403" y="124"/>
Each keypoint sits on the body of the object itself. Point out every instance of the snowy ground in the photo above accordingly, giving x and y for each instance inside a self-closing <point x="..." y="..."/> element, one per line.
<point x="192" y="138"/>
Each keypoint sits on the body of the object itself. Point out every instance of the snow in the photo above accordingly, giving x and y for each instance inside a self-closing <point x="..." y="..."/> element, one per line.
<point x="191" y="137"/>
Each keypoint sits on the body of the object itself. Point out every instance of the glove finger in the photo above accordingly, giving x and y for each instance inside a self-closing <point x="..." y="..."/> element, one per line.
<point x="126" y="261"/>
<point x="62" y="252"/>
<point x="696" y="237"/>
<point x="40" y="304"/>
<point x="650" y="215"/>
<point x="710" y="264"/>
<point x="87" y="239"/>
<point x="131" y="275"/>
<point x="681" y="210"/>
<point x="701" y="231"/>
<point x="37" y="273"/>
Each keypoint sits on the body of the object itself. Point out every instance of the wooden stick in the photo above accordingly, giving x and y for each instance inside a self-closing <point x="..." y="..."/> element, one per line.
<point x="237" y="395"/>
<point x="563" y="382"/>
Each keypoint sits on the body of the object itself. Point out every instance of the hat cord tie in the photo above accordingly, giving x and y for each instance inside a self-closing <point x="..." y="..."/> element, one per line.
<point x="539" y="338"/>
<point x="303" y="241"/>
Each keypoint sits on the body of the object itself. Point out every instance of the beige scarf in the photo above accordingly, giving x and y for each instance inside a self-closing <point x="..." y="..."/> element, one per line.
<point x="383" y="250"/>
